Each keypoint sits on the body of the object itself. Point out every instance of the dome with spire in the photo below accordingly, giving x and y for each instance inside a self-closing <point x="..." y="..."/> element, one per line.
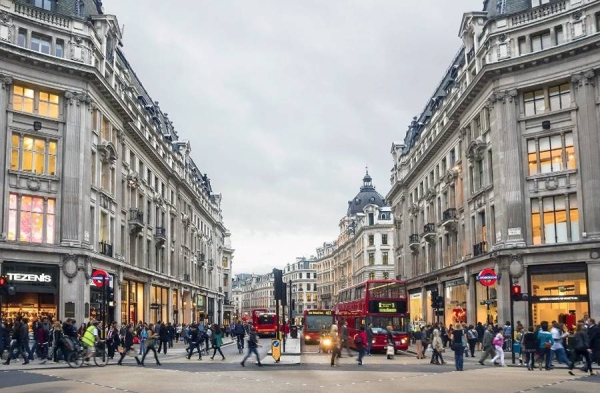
<point x="366" y="196"/>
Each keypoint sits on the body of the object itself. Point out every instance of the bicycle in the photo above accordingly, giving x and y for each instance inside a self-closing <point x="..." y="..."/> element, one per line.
<point x="101" y="354"/>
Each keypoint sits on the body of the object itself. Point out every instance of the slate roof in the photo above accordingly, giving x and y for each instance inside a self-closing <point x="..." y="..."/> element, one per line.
<point x="366" y="196"/>
<point x="496" y="8"/>
<point x="74" y="8"/>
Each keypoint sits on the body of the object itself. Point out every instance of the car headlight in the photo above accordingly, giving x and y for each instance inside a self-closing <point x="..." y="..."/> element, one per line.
<point x="403" y="341"/>
<point x="327" y="342"/>
<point x="307" y="338"/>
<point x="373" y="342"/>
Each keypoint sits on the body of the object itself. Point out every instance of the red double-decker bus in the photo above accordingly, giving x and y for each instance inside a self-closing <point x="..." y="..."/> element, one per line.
<point x="316" y="323"/>
<point x="264" y="322"/>
<point x="384" y="303"/>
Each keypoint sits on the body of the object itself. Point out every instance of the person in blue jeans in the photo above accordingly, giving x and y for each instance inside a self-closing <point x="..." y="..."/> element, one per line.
<point x="252" y="347"/>
<point x="558" y="348"/>
<point x="458" y="346"/>
<point x="545" y="339"/>
<point x="360" y="340"/>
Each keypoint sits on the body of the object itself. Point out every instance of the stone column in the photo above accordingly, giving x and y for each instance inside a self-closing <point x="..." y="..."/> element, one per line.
<point x="471" y="300"/>
<point x="508" y="175"/>
<point x="5" y="90"/>
<point x="588" y="146"/>
<point x="73" y="164"/>
<point x="594" y="279"/>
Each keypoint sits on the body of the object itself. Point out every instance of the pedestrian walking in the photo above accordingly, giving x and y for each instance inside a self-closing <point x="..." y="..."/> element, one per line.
<point x="558" y="349"/>
<point x="252" y="347"/>
<point x="345" y="338"/>
<point x="360" y="341"/>
<point x="472" y="337"/>
<point x="151" y="342"/>
<point x="163" y="334"/>
<point x="194" y="340"/>
<point x="217" y="341"/>
<point x="545" y="340"/>
<point x="594" y="338"/>
<point x="487" y="342"/>
<point x="143" y="337"/>
<point x="528" y="345"/>
<point x="128" y="346"/>
<point x="458" y="346"/>
<point x="369" y="330"/>
<point x="437" y="345"/>
<point x="418" y="334"/>
<point x="336" y="345"/>
<point x="582" y="348"/>
<point x="498" y="343"/>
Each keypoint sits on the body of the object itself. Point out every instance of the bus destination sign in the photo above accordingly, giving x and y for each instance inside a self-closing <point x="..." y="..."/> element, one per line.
<point x="397" y="307"/>
<point x="318" y="312"/>
<point x="387" y="307"/>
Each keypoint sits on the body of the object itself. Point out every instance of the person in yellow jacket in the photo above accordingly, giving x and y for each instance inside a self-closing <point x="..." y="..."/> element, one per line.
<point x="90" y="338"/>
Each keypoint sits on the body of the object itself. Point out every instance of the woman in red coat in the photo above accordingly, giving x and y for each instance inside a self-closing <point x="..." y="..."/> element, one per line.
<point x="360" y="340"/>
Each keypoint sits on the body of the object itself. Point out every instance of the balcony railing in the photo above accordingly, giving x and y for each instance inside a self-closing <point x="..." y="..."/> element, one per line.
<point x="449" y="214"/>
<point x="479" y="249"/>
<point x="539" y="12"/>
<point x="106" y="249"/>
<point x="136" y="216"/>
<point x="414" y="238"/>
<point x="429" y="228"/>
<point x="41" y="15"/>
<point x="160" y="236"/>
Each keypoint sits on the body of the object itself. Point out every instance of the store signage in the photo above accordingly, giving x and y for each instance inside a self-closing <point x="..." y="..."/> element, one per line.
<point x="487" y="277"/>
<point x="99" y="277"/>
<point x="29" y="277"/>
<point x="560" y="299"/>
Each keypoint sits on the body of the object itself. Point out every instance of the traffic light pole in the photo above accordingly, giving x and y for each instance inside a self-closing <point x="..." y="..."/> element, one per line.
<point x="512" y="324"/>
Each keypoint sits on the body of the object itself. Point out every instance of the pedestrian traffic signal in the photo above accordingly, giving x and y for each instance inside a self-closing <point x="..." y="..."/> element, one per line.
<point x="439" y="303"/>
<point x="516" y="293"/>
<point x="434" y="296"/>
<point x="5" y="287"/>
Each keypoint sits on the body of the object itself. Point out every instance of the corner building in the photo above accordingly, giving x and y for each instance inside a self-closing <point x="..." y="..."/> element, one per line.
<point x="500" y="170"/>
<point x="94" y="177"/>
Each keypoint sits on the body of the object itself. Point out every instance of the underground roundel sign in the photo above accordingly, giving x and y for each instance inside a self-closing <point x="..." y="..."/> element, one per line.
<point x="487" y="277"/>
<point x="99" y="277"/>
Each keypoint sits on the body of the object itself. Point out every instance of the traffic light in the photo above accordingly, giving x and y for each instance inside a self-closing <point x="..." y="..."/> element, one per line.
<point x="516" y="293"/>
<point x="278" y="283"/>
<point x="439" y="303"/>
<point x="5" y="287"/>
<point x="284" y="294"/>
<point x="434" y="296"/>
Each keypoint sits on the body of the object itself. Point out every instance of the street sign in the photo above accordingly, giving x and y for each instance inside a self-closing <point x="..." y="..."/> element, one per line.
<point x="99" y="277"/>
<point x="275" y="349"/>
<point x="487" y="277"/>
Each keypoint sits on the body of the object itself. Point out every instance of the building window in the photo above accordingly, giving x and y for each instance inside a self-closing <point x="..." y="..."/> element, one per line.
<point x="534" y="102"/>
<point x="45" y="4"/>
<point x="59" y="49"/>
<point x="386" y="275"/>
<point x="33" y="155"/>
<point x="371" y="240"/>
<point x="559" y="35"/>
<point x="30" y="219"/>
<point x="384" y="239"/>
<point x="40" y="43"/>
<point x="371" y="276"/>
<point x="560" y="96"/>
<point x="540" y="41"/>
<point x="371" y="258"/>
<point x="385" y="258"/>
<point x="522" y="45"/>
<point x="536" y="3"/>
<point x="22" y="38"/>
<point x="551" y="154"/>
<point x="24" y="99"/>
<point x="550" y="225"/>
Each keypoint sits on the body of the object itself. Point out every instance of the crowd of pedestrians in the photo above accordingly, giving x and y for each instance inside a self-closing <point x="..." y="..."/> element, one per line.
<point x="542" y="345"/>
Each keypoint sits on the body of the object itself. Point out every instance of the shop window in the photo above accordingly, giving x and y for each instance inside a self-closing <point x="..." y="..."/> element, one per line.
<point x="456" y="304"/>
<point x="487" y="304"/>
<point x="30" y="219"/>
<point x="560" y="296"/>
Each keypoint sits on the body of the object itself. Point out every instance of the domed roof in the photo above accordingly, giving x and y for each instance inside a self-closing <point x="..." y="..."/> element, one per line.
<point x="366" y="196"/>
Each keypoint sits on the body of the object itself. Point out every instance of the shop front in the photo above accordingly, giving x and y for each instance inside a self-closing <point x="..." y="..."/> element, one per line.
<point x="430" y="316"/>
<point x="37" y="291"/>
<point x="159" y="304"/>
<point x="486" y="300"/>
<point x="200" y="316"/>
<point x="132" y="301"/>
<point x="558" y="293"/>
<point x="455" y="301"/>
<point x="416" y="305"/>
<point x="175" y="305"/>
<point x="211" y="310"/>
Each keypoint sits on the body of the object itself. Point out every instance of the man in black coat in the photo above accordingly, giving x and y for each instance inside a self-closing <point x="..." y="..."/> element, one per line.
<point x="163" y="333"/>
<point x="594" y="339"/>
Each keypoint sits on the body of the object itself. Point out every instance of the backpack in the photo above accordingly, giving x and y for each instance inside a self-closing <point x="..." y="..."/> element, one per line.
<point x="358" y="340"/>
<point x="472" y="334"/>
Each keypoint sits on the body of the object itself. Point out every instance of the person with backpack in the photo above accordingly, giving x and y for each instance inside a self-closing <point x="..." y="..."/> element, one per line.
<point x="508" y="336"/>
<point x="252" y="347"/>
<point x="194" y="340"/>
<point x="545" y="341"/>
<point x="438" y="347"/>
<point x="529" y="347"/>
<point x="151" y="341"/>
<point x="360" y="341"/>
<point x="207" y="335"/>
<point x="42" y="338"/>
<point x="472" y="337"/>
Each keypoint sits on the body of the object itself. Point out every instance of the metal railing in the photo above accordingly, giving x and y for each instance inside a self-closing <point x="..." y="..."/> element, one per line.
<point x="106" y="249"/>
<point x="137" y="216"/>
<point x="479" y="249"/>
<point x="449" y="214"/>
<point x="161" y="232"/>
<point x="429" y="228"/>
<point x="414" y="238"/>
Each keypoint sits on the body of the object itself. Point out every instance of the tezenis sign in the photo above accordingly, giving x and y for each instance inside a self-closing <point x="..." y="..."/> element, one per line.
<point x="29" y="277"/>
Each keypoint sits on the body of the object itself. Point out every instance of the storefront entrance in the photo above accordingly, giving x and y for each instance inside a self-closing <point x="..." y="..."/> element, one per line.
<point x="558" y="293"/>
<point x="455" y="301"/>
<point x="37" y="291"/>
<point x="159" y="304"/>
<point x="132" y="302"/>
<point x="416" y="306"/>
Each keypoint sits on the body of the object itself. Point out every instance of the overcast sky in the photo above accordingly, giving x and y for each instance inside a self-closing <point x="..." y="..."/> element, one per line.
<point x="286" y="102"/>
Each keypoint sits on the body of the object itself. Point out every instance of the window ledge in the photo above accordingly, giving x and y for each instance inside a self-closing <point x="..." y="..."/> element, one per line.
<point x="33" y="175"/>
<point x="562" y="173"/>
<point x="36" y="115"/>
<point x="523" y="117"/>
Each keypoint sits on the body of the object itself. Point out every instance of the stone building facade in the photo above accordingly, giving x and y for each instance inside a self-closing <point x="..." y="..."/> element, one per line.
<point x="500" y="170"/>
<point x="303" y="278"/>
<point x="363" y="250"/>
<point x="96" y="179"/>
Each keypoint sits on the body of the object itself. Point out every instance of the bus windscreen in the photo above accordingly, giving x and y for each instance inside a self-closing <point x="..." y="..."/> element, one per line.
<point x="266" y="320"/>
<point x="387" y="291"/>
<point x="318" y="323"/>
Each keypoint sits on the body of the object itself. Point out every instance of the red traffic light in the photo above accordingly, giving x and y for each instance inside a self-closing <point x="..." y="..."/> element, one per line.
<point x="2" y="281"/>
<point x="516" y="289"/>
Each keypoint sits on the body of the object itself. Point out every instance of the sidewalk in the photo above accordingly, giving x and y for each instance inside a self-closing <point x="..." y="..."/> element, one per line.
<point x="291" y="356"/>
